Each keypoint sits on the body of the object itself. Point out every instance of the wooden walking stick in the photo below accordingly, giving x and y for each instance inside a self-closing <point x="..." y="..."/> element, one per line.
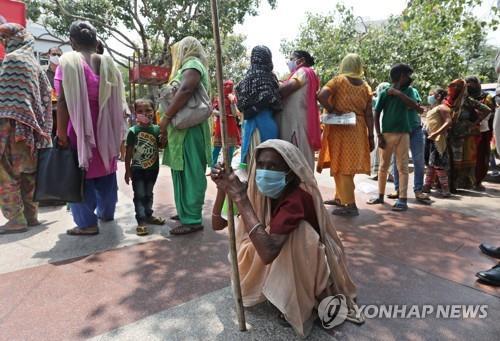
<point x="225" y="153"/>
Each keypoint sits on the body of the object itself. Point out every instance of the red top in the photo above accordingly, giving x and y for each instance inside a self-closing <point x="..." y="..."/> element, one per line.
<point x="295" y="207"/>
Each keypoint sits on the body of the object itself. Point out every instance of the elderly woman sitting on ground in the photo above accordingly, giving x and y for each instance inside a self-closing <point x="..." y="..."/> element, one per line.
<point x="288" y="249"/>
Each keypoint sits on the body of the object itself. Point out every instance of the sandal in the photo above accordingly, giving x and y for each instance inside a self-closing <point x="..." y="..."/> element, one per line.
<point x="185" y="229"/>
<point x="156" y="220"/>
<point x="89" y="231"/>
<point x="334" y="202"/>
<point x="33" y="223"/>
<point x="400" y="206"/>
<point x="375" y="201"/>
<point x="421" y="196"/>
<point x="393" y="195"/>
<point x="13" y="231"/>
<point x="346" y="211"/>
<point x="141" y="230"/>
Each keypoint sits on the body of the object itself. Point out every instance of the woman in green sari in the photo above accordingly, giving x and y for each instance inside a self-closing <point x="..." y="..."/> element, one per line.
<point x="188" y="151"/>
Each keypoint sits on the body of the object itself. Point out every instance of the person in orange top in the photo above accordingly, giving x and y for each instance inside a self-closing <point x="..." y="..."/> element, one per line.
<point x="346" y="148"/>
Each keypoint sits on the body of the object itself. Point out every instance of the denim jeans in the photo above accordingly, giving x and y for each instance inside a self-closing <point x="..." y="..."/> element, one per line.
<point x="417" y="144"/>
<point x="143" y="182"/>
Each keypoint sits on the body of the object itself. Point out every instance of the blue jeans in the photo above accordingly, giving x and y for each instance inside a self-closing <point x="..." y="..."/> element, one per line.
<point x="101" y="195"/>
<point x="417" y="146"/>
<point x="143" y="182"/>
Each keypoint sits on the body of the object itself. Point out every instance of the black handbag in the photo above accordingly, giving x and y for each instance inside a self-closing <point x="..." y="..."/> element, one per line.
<point x="58" y="175"/>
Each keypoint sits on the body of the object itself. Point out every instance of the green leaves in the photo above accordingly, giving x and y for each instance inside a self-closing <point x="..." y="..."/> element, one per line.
<point x="441" y="39"/>
<point x="149" y="20"/>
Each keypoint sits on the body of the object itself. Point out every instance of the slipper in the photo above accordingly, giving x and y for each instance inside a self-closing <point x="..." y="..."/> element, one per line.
<point x="345" y="211"/>
<point x="75" y="231"/>
<point x="400" y="206"/>
<point x="375" y="201"/>
<point x="393" y="195"/>
<point x="185" y="229"/>
<point x="33" y="223"/>
<point x="13" y="231"/>
<point x="156" y="220"/>
<point x="421" y="196"/>
<point x="334" y="202"/>
<point x="175" y="217"/>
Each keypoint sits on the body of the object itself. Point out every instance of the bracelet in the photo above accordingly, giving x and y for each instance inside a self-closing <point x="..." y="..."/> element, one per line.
<point x="216" y="215"/>
<point x="253" y="228"/>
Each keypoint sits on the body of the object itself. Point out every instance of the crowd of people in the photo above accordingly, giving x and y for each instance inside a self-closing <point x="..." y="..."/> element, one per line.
<point x="274" y="131"/>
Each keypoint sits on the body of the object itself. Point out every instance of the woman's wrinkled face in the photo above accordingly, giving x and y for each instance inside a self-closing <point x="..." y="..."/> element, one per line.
<point x="270" y="159"/>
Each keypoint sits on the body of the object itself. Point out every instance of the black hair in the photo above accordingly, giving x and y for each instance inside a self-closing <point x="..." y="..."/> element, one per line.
<point x="400" y="69"/>
<point x="54" y="48"/>
<point x="306" y="55"/>
<point x="99" y="49"/>
<point x="442" y="93"/>
<point x="144" y="100"/>
<point x="472" y="79"/>
<point x="83" y="33"/>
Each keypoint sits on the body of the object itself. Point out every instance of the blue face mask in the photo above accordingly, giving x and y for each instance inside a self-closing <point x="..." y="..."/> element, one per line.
<point x="431" y="100"/>
<point x="292" y="65"/>
<point x="270" y="183"/>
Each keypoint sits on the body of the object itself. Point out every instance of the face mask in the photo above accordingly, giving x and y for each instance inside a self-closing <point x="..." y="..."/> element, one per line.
<point x="292" y="65"/>
<point x="431" y="100"/>
<point x="54" y="60"/>
<point x="270" y="183"/>
<point x="143" y="119"/>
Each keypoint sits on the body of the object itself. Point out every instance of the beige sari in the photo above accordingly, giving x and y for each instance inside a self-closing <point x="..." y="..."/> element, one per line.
<point x="309" y="266"/>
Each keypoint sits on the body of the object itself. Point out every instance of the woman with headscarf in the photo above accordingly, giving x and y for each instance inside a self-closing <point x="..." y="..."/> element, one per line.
<point x="258" y="99"/>
<point x="288" y="249"/>
<point x="299" y="120"/>
<point x="463" y="134"/>
<point x="188" y="151"/>
<point x="90" y="107"/>
<point x="437" y="123"/>
<point x="233" y="130"/>
<point x="346" y="148"/>
<point x="25" y="126"/>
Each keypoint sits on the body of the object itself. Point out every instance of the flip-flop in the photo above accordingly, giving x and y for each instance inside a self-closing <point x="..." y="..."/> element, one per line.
<point x="185" y="229"/>
<point x="375" y="201"/>
<point x="334" y="202"/>
<point x="399" y="206"/>
<point x="345" y="211"/>
<point x="75" y="231"/>
<point x="13" y="231"/>
<point x="393" y="195"/>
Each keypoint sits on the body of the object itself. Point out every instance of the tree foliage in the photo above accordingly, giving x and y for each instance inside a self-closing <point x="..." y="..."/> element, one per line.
<point x="440" y="39"/>
<point x="151" y="21"/>
<point x="234" y="58"/>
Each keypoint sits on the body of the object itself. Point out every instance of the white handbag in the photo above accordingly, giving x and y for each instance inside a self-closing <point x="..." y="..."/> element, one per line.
<point x="197" y="109"/>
